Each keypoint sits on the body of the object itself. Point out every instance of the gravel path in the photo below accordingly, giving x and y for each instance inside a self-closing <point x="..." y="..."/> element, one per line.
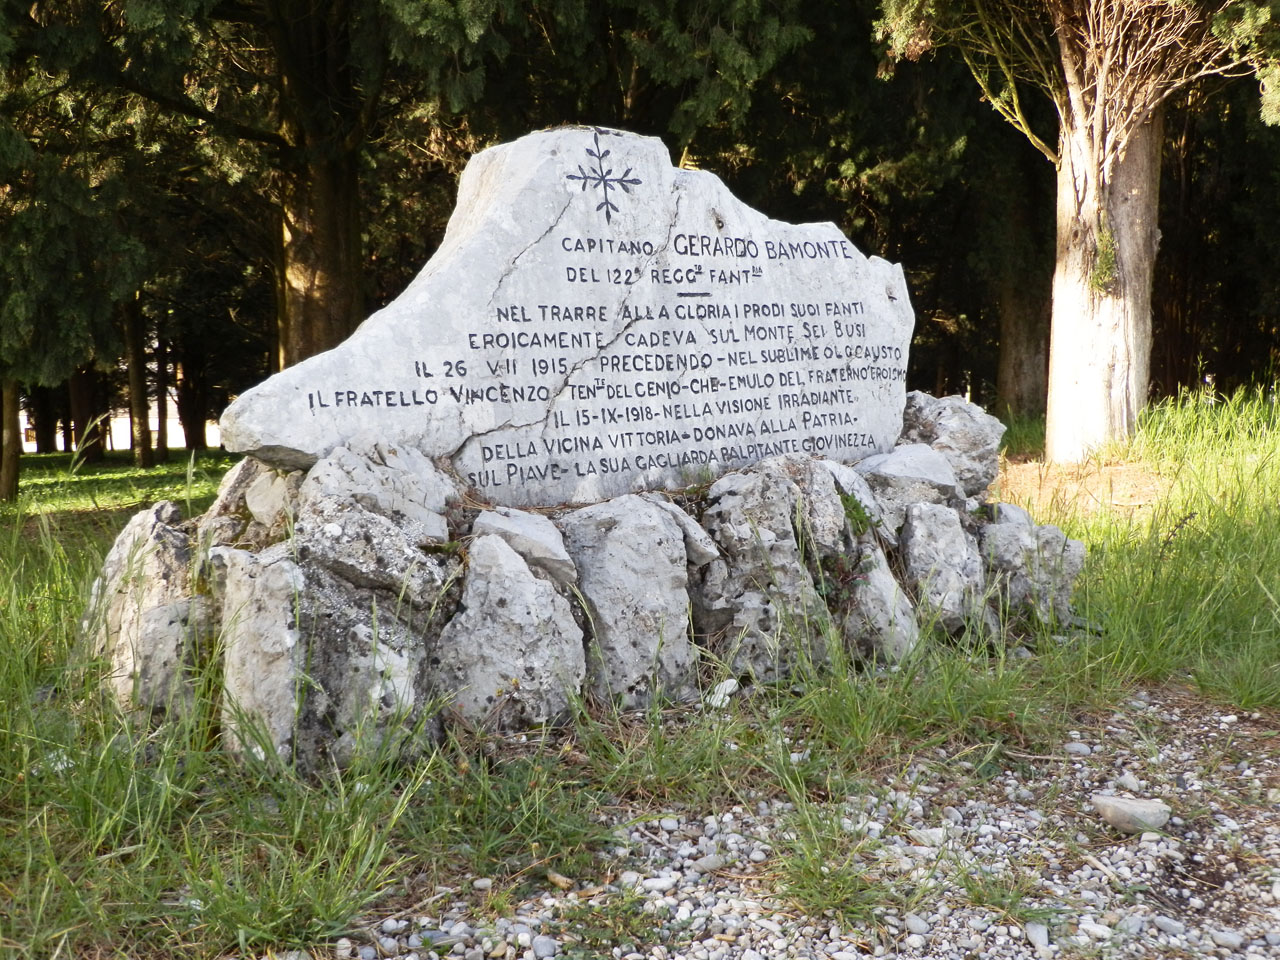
<point x="976" y="862"/>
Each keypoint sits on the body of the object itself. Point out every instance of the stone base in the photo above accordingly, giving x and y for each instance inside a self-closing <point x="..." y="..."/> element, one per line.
<point x="349" y="602"/>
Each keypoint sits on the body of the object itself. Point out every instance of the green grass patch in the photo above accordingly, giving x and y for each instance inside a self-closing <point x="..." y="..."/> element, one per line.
<point x="119" y="838"/>
<point x="1191" y="588"/>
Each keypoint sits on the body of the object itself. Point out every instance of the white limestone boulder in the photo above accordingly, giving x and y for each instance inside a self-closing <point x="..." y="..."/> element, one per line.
<point x="513" y="655"/>
<point x="318" y="668"/>
<point x="632" y="576"/>
<point x="144" y="615"/>
<point x="597" y="322"/>
<point x="910" y="473"/>
<point x="534" y="537"/>
<point x="1033" y="568"/>
<point x="699" y="548"/>
<point x="879" y="619"/>
<point x="756" y="606"/>
<point x="854" y="487"/>
<point x="228" y="519"/>
<point x="961" y="431"/>
<point x="399" y="483"/>
<point x="943" y="568"/>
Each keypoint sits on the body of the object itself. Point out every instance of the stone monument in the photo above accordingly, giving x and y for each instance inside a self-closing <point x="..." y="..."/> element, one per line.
<point x="473" y="499"/>
<point x="598" y="322"/>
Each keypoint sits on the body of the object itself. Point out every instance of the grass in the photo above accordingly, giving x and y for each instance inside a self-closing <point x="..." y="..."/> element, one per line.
<point x="119" y="839"/>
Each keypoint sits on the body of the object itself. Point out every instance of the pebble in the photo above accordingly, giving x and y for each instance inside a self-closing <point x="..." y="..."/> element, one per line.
<point x="1227" y="938"/>
<point x="1175" y="928"/>
<point x="1096" y="931"/>
<point x="1130" y="814"/>
<point x="1037" y="934"/>
<point x="1127" y="781"/>
<point x="919" y="835"/>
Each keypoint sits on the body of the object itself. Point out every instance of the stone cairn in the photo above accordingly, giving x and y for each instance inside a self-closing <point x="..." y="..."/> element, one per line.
<point x="593" y="452"/>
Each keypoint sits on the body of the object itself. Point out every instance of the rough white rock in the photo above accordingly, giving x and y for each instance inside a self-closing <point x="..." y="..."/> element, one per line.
<point x="327" y="636"/>
<point x="942" y="566"/>
<point x="264" y="656"/>
<point x="632" y="575"/>
<point x="963" y="432"/>
<point x="512" y="656"/>
<point x="851" y="483"/>
<point x="1131" y="814"/>
<point x="272" y="496"/>
<point x="880" y="619"/>
<point x="534" y="537"/>
<point x="397" y="482"/>
<point x="143" y="617"/>
<point x="757" y="607"/>
<point x="910" y="473"/>
<point x="592" y="239"/>
<point x="1033" y="568"/>
<point x="699" y="548"/>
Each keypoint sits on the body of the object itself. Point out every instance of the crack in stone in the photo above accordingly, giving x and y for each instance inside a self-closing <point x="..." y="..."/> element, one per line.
<point x="533" y="243"/>
<point x="626" y="298"/>
<point x="558" y="391"/>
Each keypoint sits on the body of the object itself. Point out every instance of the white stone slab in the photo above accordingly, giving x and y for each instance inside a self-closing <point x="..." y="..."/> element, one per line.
<point x="598" y="322"/>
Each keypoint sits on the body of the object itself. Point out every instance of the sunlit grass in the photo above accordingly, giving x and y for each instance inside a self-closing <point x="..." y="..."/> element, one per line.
<point x="119" y="838"/>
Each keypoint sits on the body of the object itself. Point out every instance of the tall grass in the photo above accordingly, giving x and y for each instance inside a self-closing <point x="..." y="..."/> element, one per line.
<point x="123" y="838"/>
<point x="1190" y="589"/>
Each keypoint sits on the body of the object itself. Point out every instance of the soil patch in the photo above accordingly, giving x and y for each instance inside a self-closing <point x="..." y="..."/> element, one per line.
<point x="1051" y="490"/>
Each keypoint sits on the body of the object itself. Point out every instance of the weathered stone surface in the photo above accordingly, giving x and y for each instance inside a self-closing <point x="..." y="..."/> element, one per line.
<point x="598" y="322"/>
<point x="264" y="654"/>
<point x="911" y="473"/>
<point x="534" y="537"/>
<point x="756" y="606"/>
<point x="228" y="517"/>
<point x="1010" y="513"/>
<point x="323" y="667"/>
<point x="398" y="483"/>
<point x="272" y="498"/>
<point x="824" y="524"/>
<point x="880" y="619"/>
<point x="631" y="562"/>
<point x="143" y="616"/>
<point x="963" y="432"/>
<point x="1132" y="815"/>
<point x="1033" y="568"/>
<point x="366" y="550"/>
<point x="943" y="568"/>
<point x="512" y="656"/>
<point x="699" y="548"/>
<point x="851" y="483"/>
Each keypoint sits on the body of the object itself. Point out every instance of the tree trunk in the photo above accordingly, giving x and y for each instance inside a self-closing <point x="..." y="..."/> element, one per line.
<point x="10" y="440"/>
<point x="1100" y="337"/>
<point x="162" y="401"/>
<point x="88" y="415"/>
<point x="135" y="345"/>
<point x="1022" y="284"/>
<point x="320" y="247"/>
<point x="1021" y="370"/>
<point x="193" y="410"/>
<point x="43" y="407"/>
